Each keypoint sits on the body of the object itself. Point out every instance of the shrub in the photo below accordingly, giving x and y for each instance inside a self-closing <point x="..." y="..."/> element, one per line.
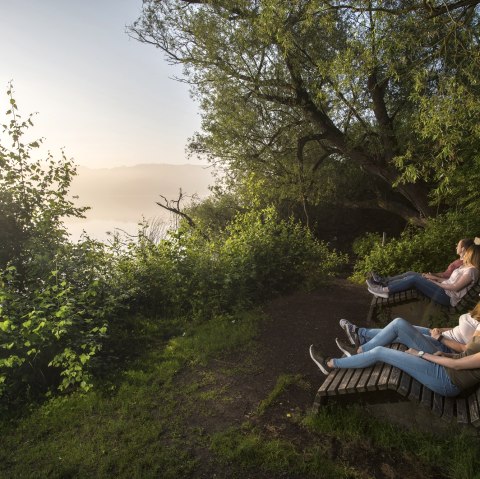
<point x="255" y="257"/>
<point x="428" y="249"/>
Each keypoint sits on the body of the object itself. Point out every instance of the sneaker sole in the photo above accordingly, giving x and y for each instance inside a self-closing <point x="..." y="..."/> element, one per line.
<point x="378" y="295"/>
<point x="320" y="365"/>
<point x="344" y="351"/>
<point x="349" y="334"/>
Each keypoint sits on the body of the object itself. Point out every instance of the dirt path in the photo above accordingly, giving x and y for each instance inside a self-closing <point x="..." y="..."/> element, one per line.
<point x="300" y="319"/>
<point x="293" y="322"/>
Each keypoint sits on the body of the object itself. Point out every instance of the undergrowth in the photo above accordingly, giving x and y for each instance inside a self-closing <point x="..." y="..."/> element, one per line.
<point x="154" y="421"/>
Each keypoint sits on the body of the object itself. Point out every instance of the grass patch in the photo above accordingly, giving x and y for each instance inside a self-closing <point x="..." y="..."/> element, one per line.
<point x="283" y="381"/>
<point x="154" y="422"/>
<point x="457" y="454"/>
<point x="249" y="451"/>
<point x="136" y="429"/>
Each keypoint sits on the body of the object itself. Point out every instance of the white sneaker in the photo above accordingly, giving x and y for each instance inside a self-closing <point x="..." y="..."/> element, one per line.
<point x="378" y="291"/>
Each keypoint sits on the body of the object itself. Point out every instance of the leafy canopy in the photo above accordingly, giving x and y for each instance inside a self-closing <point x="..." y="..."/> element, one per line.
<point x="285" y="84"/>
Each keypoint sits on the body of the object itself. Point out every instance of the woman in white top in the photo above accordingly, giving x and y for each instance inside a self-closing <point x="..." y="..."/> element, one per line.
<point x="447" y="340"/>
<point x="448" y="292"/>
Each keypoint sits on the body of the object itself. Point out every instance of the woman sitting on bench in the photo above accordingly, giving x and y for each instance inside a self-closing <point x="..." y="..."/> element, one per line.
<point x="448" y="340"/>
<point x="443" y="373"/>
<point x="448" y="292"/>
<point x="462" y="246"/>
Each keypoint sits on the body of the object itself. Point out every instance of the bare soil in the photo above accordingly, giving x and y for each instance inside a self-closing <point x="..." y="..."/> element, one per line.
<point x="293" y="322"/>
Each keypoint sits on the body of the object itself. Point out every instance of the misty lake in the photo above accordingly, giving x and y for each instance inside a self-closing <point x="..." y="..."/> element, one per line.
<point x="121" y="197"/>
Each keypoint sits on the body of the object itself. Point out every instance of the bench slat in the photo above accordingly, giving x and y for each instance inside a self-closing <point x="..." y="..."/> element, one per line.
<point x="384" y="376"/>
<point x="333" y="388"/>
<point x="427" y="396"/>
<point x="462" y="411"/>
<point x="473" y="405"/>
<point x="437" y="406"/>
<point x="415" y="390"/>
<point x="373" y="380"/>
<point x="342" y="387"/>
<point x="322" y="391"/>
<point x="404" y="385"/>
<point x="362" y="382"/>
<point x="448" y="408"/>
<point x="352" y="384"/>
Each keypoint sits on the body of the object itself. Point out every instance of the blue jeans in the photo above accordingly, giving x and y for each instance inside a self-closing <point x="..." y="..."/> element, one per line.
<point x="400" y="334"/>
<point x="397" y="277"/>
<point x="413" y="280"/>
<point x="429" y="374"/>
<point x="401" y="331"/>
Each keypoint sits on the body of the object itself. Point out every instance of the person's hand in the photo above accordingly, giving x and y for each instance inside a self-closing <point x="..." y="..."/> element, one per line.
<point x="412" y="351"/>
<point x="435" y="333"/>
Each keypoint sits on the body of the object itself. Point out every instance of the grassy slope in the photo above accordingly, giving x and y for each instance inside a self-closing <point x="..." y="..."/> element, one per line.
<point x="153" y="424"/>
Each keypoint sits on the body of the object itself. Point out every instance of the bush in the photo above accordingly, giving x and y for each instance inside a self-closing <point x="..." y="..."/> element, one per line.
<point x="255" y="257"/>
<point x="428" y="249"/>
<point x="51" y="330"/>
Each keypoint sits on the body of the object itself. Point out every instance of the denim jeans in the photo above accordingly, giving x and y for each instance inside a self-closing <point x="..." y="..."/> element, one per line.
<point x="429" y="374"/>
<point x="424" y="285"/>
<point x="398" y="332"/>
<point x="397" y="277"/>
<point x="401" y="331"/>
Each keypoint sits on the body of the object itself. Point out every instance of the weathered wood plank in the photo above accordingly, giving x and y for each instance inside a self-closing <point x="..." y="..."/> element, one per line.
<point x="437" y="404"/>
<point x="426" y="398"/>
<point x="363" y="380"/>
<point x="448" y="409"/>
<point x="462" y="411"/>
<point x="396" y="373"/>
<point x="333" y="388"/>
<point x="373" y="380"/>
<point x="383" y="379"/>
<point x="415" y="391"/>
<point x="342" y="387"/>
<point x="473" y="406"/>
<point x="404" y="385"/>
<point x="322" y="390"/>
<point x="352" y="384"/>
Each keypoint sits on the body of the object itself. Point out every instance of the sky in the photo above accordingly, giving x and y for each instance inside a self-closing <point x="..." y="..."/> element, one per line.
<point x="105" y="98"/>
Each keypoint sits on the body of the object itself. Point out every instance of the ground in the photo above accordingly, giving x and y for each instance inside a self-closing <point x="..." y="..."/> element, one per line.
<point x="293" y="322"/>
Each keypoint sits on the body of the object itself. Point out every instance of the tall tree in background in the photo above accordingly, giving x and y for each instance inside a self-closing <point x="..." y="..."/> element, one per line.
<point x="284" y="85"/>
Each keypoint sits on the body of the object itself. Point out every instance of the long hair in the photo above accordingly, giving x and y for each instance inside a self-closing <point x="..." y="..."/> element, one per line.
<point x="475" y="312"/>
<point x="472" y="256"/>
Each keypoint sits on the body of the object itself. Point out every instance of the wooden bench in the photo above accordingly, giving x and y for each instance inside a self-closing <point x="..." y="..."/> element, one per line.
<point x="358" y="383"/>
<point x="378" y="305"/>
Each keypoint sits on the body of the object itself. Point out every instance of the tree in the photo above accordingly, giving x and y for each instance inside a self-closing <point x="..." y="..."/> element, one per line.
<point x="33" y="198"/>
<point x="286" y="84"/>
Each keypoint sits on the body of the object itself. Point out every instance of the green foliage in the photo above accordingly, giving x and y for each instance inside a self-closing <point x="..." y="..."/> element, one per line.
<point x="142" y="426"/>
<point x="53" y="295"/>
<point x="428" y="249"/>
<point x="51" y="332"/>
<point x="33" y="198"/>
<point x="256" y="256"/>
<point x="287" y="87"/>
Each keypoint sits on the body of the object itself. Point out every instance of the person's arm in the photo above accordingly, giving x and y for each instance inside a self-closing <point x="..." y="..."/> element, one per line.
<point x="467" y="362"/>
<point x="460" y="283"/>
<point x="453" y="345"/>
<point x="447" y="355"/>
<point x="436" y="332"/>
<point x="440" y="276"/>
<point x="433" y="277"/>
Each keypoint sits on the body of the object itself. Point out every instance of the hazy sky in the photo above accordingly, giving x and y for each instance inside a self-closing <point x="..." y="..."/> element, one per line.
<point x="108" y="99"/>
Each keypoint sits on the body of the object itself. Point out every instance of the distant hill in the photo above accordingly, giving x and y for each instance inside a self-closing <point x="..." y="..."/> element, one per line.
<point x="125" y="194"/>
<point x="128" y="192"/>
